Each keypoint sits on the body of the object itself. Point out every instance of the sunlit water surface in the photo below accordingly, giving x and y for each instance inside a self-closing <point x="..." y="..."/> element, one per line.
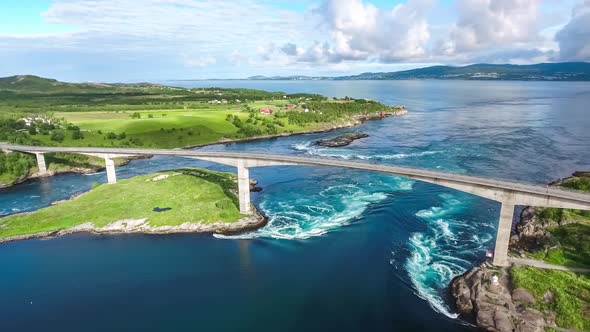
<point x="343" y="250"/>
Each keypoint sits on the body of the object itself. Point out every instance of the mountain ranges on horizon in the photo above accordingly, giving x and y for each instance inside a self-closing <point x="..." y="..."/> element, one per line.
<point x="563" y="71"/>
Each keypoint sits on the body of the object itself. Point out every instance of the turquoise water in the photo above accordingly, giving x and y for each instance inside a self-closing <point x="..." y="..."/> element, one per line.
<point x="345" y="250"/>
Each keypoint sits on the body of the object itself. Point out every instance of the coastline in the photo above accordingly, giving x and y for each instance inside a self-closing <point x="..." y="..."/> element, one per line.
<point x="70" y="170"/>
<point x="502" y="306"/>
<point x="140" y="226"/>
<point x="353" y="122"/>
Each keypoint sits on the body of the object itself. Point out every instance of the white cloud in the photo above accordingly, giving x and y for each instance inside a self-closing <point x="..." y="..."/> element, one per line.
<point x="360" y="31"/>
<point x="237" y="38"/>
<point x="485" y="24"/>
<point x="574" y="38"/>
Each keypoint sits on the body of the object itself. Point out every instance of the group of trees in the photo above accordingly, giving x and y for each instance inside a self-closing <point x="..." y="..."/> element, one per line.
<point x="15" y="165"/>
<point x="256" y="125"/>
<point x="331" y="111"/>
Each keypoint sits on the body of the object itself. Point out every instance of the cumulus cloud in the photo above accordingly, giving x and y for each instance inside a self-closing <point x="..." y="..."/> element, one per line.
<point x="492" y="23"/>
<point x="359" y="31"/>
<point x="574" y="38"/>
<point x="237" y="38"/>
<point x="208" y="31"/>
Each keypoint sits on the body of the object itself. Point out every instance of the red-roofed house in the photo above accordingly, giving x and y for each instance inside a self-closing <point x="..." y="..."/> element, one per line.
<point x="265" y="111"/>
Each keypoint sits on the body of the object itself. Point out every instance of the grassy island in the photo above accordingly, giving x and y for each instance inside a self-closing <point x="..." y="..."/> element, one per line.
<point x="185" y="198"/>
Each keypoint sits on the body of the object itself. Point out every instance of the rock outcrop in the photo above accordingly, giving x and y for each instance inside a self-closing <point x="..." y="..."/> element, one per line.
<point x="342" y="140"/>
<point x="493" y="306"/>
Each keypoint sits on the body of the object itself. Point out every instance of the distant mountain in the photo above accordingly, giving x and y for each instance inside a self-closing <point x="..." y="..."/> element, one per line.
<point x="36" y="84"/>
<point x="564" y="71"/>
<point x="290" y="78"/>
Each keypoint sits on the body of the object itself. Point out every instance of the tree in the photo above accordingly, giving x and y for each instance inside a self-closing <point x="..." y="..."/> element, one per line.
<point x="121" y="136"/>
<point x="111" y="135"/>
<point x="58" y="136"/>
<point x="77" y="134"/>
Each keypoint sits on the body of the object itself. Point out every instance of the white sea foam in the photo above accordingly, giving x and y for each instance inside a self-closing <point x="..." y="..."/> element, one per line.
<point x="434" y="258"/>
<point x="424" y="271"/>
<point x="348" y="154"/>
<point x="304" y="216"/>
<point x="309" y="216"/>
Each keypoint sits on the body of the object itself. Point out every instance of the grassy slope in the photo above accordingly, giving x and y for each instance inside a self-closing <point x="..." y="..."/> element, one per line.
<point x="61" y="163"/>
<point x="574" y="238"/>
<point x="571" y="294"/>
<point x="194" y="196"/>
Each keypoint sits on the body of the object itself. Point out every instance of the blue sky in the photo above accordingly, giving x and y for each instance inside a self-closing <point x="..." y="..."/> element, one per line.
<point x="115" y="40"/>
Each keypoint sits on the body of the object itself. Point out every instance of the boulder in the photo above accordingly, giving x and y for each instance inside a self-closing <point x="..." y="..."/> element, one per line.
<point x="521" y="296"/>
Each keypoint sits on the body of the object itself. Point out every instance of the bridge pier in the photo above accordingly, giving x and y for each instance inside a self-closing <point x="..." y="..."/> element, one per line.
<point x="503" y="233"/>
<point x="110" y="166"/>
<point x="244" y="187"/>
<point x="41" y="163"/>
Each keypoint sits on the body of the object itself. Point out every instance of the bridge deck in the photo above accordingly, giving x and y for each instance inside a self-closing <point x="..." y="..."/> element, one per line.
<point x="298" y="160"/>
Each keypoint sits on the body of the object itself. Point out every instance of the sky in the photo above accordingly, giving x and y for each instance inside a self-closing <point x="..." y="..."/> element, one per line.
<point x="149" y="40"/>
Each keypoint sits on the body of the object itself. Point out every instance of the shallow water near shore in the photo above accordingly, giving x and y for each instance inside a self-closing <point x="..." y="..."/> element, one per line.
<point x="345" y="250"/>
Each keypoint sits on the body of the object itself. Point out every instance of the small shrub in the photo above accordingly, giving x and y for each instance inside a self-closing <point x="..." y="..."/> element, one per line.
<point x="58" y="136"/>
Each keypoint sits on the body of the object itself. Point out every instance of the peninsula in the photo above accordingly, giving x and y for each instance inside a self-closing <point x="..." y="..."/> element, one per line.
<point x="40" y="111"/>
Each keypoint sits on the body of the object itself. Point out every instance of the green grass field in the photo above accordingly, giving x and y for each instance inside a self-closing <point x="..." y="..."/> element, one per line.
<point x="574" y="249"/>
<point x="571" y="294"/>
<point x="194" y="195"/>
<point x="163" y="128"/>
<point x="573" y="237"/>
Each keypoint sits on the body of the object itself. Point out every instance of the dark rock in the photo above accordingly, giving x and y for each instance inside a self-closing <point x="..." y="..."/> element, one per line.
<point x="582" y="174"/>
<point x="342" y="140"/>
<point x="521" y="296"/>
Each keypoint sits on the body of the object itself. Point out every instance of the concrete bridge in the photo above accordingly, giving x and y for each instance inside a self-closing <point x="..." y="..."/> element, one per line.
<point x="508" y="193"/>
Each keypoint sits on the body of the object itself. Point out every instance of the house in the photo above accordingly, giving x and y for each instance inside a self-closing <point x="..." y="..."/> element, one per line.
<point x="266" y="111"/>
<point x="289" y="106"/>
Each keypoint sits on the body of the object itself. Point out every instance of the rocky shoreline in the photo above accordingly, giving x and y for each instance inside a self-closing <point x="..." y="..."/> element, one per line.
<point x="495" y="306"/>
<point x="69" y="170"/>
<point x="498" y="306"/>
<point x="141" y="226"/>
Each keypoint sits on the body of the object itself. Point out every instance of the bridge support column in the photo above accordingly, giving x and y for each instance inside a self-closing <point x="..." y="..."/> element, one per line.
<point x="244" y="188"/>
<point x="503" y="234"/>
<point x="41" y="163"/>
<point x="111" y="175"/>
